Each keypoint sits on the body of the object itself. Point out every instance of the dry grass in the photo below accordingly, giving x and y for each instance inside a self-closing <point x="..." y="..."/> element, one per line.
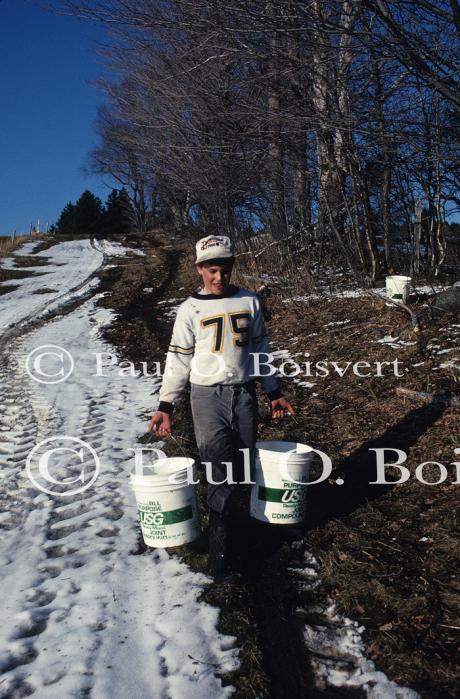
<point x="388" y="555"/>
<point x="8" y="245"/>
<point x="45" y="290"/>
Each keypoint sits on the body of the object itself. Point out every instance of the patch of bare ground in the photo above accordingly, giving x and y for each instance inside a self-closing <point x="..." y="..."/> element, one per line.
<point x="7" y="288"/>
<point x="22" y="262"/>
<point x="388" y="553"/>
<point x="7" y="274"/>
<point x="29" y="261"/>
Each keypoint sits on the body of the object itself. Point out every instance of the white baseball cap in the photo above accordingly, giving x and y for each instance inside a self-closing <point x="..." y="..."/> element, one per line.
<point x="213" y="247"/>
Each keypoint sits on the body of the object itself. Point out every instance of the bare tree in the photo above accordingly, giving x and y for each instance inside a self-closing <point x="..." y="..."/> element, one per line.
<point x="321" y="122"/>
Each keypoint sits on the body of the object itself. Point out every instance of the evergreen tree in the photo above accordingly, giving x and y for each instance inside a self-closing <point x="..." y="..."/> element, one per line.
<point x="118" y="215"/>
<point x="88" y="215"/>
<point x="66" y="222"/>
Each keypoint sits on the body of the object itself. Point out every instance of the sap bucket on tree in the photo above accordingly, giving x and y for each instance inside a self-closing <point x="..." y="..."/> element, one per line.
<point x="279" y="494"/>
<point x="398" y="287"/>
<point x="166" y="502"/>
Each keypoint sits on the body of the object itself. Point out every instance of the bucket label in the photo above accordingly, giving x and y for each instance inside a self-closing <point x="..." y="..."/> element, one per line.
<point x="153" y="506"/>
<point x="161" y="519"/>
<point x="286" y="495"/>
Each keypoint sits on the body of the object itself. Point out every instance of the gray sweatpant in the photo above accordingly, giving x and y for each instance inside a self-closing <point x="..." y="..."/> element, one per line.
<point x="225" y="420"/>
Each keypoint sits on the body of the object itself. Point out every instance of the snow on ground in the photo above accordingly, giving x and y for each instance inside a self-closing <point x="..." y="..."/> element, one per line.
<point x="66" y="274"/>
<point x="70" y="265"/>
<point x="437" y="347"/>
<point x="83" y="614"/>
<point x="326" y="293"/>
<point x="338" y="657"/>
<point x="394" y="342"/>
<point x="115" y="249"/>
<point x="337" y="322"/>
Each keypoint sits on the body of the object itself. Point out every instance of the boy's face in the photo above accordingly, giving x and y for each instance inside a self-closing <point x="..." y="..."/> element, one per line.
<point x="216" y="276"/>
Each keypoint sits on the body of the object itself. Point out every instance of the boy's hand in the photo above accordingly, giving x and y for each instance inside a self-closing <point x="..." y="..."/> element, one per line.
<point x="279" y="406"/>
<point x="160" y="423"/>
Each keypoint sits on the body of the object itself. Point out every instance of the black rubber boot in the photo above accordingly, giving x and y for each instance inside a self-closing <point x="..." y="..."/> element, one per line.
<point x="219" y="559"/>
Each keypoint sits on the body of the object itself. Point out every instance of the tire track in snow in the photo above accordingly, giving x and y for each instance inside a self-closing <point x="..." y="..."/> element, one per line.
<point x="80" y="609"/>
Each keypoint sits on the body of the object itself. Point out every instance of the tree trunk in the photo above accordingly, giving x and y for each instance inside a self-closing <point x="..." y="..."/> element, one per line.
<point x="275" y="148"/>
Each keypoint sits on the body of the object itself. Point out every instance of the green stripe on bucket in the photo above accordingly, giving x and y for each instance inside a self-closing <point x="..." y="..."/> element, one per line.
<point x="287" y="495"/>
<point x="164" y="518"/>
<point x="396" y="296"/>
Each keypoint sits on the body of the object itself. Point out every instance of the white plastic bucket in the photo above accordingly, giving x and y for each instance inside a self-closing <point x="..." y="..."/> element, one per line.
<point x="398" y="287"/>
<point x="279" y="494"/>
<point x="166" y="502"/>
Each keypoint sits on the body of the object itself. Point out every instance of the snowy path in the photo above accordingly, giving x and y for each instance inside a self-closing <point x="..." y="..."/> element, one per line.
<point x="82" y="615"/>
<point x="67" y="275"/>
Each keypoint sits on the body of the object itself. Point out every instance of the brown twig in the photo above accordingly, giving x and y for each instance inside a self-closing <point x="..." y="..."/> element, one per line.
<point x="432" y="397"/>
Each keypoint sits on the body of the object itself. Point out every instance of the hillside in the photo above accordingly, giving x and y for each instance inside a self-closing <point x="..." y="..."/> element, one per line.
<point x="364" y="606"/>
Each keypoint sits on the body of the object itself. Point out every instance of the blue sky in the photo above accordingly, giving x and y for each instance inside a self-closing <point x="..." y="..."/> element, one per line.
<point x="47" y="112"/>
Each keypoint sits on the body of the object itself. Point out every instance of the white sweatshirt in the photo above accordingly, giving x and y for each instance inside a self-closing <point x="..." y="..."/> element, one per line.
<point x="213" y="341"/>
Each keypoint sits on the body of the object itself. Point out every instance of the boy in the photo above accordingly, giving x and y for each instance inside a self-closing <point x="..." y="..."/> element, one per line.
<point x="215" y="333"/>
